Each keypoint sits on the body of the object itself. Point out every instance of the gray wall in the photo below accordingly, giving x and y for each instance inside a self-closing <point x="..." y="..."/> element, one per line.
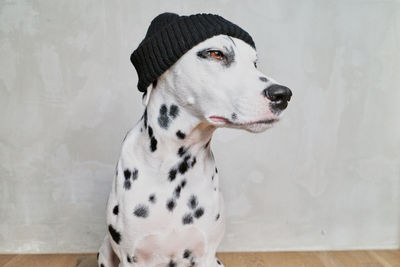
<point x="326" y="177"/>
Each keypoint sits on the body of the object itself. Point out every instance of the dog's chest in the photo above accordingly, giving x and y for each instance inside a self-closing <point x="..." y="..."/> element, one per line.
<point x="163" y="206"/>
<point x="146" y="198"/>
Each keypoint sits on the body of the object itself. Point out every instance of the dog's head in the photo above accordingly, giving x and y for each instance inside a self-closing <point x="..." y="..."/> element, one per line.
<point x="218" y="80"/>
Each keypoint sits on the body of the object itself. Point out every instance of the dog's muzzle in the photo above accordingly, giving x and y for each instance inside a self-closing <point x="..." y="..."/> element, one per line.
<point x="279" y="95"/>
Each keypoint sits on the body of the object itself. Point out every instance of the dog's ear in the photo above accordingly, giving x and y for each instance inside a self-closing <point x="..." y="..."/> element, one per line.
<point x="146" y="95"/>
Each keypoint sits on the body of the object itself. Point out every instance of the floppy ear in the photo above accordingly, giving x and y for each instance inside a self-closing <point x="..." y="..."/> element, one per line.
<point x="147" y="94"/>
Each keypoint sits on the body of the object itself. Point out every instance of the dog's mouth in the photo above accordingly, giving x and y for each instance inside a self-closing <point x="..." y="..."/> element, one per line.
<point x="224" y="121"/>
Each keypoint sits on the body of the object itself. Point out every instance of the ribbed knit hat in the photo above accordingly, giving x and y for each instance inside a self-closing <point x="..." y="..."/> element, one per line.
<point x="170" y="36"/>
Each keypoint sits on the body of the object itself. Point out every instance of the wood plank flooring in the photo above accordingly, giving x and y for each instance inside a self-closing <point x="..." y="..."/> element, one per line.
<point x="362" y="258"/>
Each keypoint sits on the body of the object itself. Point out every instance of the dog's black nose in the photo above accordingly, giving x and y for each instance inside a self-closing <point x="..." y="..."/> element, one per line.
<point x="279" y="95"/>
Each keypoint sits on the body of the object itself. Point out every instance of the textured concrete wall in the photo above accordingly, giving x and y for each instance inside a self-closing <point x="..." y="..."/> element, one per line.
<point x="326" y="177"/>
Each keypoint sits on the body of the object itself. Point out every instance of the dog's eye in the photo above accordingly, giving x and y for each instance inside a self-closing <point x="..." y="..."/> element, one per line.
<point x="216" y="54"/>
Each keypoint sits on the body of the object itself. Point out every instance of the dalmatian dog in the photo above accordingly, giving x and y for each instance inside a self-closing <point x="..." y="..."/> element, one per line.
<point x="165" y="207"/>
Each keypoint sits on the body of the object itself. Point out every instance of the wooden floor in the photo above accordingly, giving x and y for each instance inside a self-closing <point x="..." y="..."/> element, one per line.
<point x="371" y="258"/>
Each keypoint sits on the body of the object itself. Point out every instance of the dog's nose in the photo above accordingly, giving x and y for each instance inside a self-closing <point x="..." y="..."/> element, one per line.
<point x="279" y="95"/>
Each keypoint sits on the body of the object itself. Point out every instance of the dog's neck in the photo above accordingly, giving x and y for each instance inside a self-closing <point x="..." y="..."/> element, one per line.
<point x="172" y="127"/>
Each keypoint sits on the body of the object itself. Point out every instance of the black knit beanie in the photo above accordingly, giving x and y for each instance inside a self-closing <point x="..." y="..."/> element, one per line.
<point x="170" y="36"/>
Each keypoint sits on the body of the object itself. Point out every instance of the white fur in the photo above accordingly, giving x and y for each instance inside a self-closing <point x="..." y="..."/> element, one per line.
<point x="204" y="90"/>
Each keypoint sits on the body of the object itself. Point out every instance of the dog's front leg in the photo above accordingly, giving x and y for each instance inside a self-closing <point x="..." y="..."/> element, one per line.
<point x="106" y="256"/>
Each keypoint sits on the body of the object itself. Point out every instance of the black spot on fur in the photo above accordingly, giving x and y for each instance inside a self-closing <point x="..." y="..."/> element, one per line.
<point x="193" y="161"/>
<point x="172" y="264"/>
<point x="183" y="167"/>
<point x="163" y="109"/>
<point x="152" y="198"/>
<point x="172" y="174"/>
<point x="166" y="117"/>
<point x="212" y="177"/>
<point x="97" y="256"/>
<point x="198" y="213"/>
<point x="183" y="183"/>
<point x="186" y="253"/>
<point x="150" y="130"/>
<point x="177" y="191"/>
<point x="234" y="116"/>
<point x="135" y="174"/>
<point x="127" y="174"/>
<point x="180" y="134"/>
<point x="153" y="144"/>
<point x="216" y="170"/>
<point x="163" y="119"/>
<point x="116" y="236"/>
<point x="187" y="218"/>
<point x="171" y="204"/>
<point x="115" y="210"/>
<point x="263" y="79"/>
<point x="173" y="111"/>
<point x="127" y="184"/>
<point x="217" y="217"/>
<point x="193" y="202"/>
<point x="141" y="211"/>
<point x="182" y="150"/>
<point x="131" y="259"/>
